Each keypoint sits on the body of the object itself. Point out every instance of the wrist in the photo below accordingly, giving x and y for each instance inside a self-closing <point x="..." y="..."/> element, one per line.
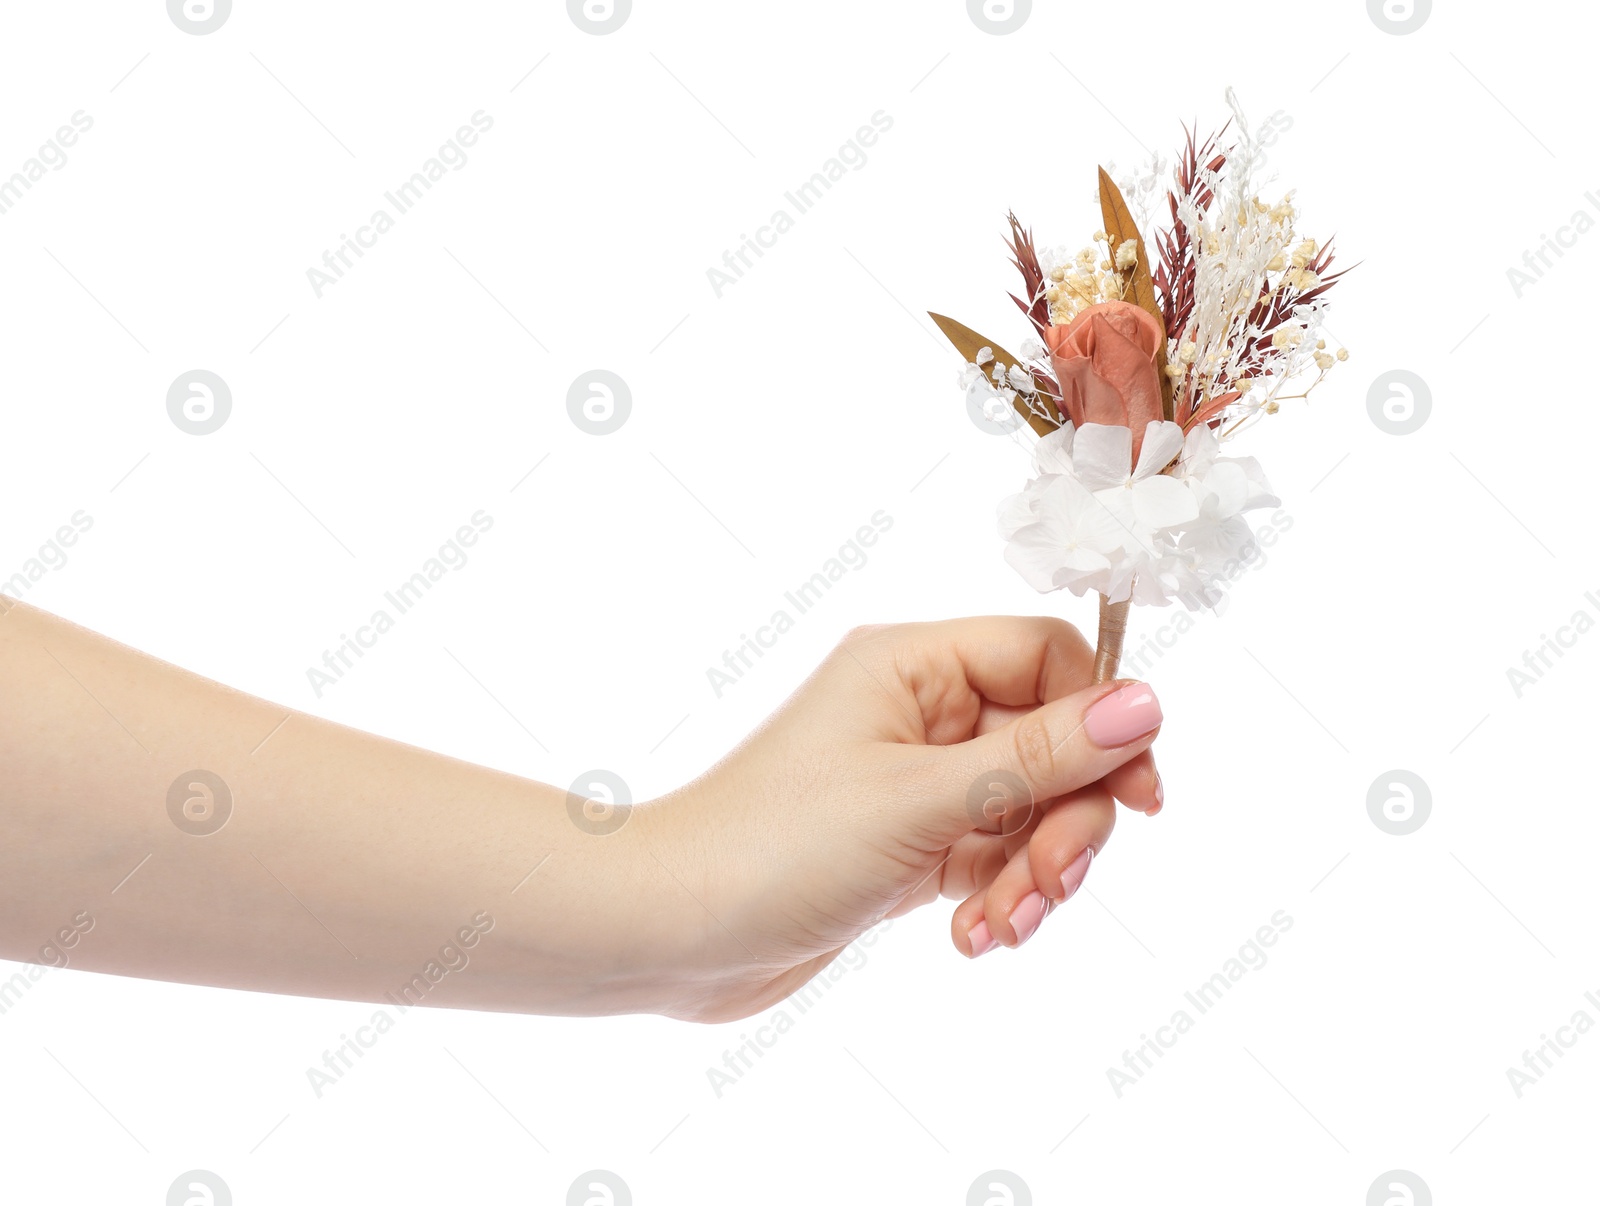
<point x="620" y="921"/>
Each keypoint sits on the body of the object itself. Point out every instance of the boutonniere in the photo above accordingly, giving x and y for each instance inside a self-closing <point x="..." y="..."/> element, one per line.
<point x="1150" y="349"/>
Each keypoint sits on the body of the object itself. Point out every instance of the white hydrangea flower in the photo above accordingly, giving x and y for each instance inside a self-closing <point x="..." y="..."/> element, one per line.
<point x="1069" y="538"/>
<point x="1171" y="528"/>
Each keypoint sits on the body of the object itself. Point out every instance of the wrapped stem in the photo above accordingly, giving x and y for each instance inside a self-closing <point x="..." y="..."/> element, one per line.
<point x="1108" y="648"/>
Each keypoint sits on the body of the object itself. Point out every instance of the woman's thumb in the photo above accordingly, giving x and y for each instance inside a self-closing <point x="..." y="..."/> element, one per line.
<point x="1054" y="749"/>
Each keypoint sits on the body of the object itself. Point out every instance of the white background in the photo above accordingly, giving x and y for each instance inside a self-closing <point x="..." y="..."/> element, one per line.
<point x="766" y="426"/>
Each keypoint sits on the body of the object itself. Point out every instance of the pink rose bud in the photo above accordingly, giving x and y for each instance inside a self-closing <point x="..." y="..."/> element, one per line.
<point x="1105" y="360"/>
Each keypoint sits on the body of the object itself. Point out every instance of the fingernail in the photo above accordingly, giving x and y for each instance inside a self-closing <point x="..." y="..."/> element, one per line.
<point x="1123" y="716"/>
<point x="981" y="941"/>
<point x="1072" y="878"/>
<point x="1025" y="918"/>
<point x="1161" y="797"/>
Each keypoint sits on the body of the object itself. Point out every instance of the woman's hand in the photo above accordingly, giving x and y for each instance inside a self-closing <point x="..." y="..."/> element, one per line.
<point x="970" y="759"/>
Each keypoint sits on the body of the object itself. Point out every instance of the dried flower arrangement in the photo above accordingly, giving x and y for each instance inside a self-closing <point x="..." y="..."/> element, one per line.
<point x="1132" y="379"/>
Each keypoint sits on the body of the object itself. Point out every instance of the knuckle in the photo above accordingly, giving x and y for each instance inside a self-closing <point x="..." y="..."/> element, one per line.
<point x="862" y="633"/>
<point x="1035" y="750"/>
<point x="1064" y="638"/>
<point x="1068" y="635"/>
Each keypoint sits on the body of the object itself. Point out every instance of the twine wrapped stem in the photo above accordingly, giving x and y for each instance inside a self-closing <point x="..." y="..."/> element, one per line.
<point x="1108" y="648"/>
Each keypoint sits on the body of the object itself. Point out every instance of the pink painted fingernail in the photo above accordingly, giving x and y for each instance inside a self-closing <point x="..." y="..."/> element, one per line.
<point x="1030" y="911"/>
<point x="1123" y="716"/>
<point x="1072" y="878"/>
<point x="980" y="939"/>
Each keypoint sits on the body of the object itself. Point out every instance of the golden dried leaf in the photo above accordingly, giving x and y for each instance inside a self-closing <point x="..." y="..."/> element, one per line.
<point x="969" y="343"/>
<point x="1120" y="227"/>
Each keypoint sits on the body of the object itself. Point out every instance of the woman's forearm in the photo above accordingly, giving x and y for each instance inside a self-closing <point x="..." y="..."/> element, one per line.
<point x="345" y="865"/>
